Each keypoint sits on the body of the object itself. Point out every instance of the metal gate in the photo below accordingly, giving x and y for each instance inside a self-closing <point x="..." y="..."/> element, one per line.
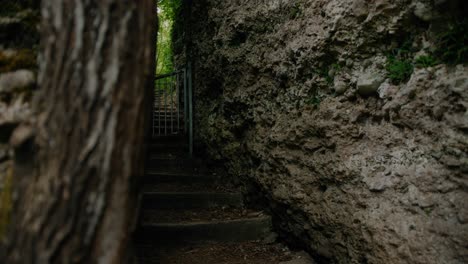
<point x="173" y="108"/>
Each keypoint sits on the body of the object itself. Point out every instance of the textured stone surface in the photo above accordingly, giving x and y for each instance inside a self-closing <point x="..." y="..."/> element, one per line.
<point x="16" y="80"/>
<point x="19" y="38"/>
<point x="374" y="179"/>
<point x="368" y="84"/>
<point x="300" y="258"/>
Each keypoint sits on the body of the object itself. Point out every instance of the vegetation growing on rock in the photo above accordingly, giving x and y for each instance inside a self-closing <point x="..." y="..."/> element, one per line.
<point x="452" y="43"/>
<point x="358" y="174"/>
<point x="399" y="70"/>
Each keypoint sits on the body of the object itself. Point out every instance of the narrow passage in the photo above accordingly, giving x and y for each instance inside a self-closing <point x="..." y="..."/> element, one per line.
<point x="190" y="216"/>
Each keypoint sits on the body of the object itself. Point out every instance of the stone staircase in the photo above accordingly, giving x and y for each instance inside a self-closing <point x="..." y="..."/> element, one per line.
<point x="185" y="208"/>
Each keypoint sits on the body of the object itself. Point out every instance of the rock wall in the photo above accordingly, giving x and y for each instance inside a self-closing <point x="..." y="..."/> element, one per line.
<point x="19" y="40"/>
<point x="348" y="118"/>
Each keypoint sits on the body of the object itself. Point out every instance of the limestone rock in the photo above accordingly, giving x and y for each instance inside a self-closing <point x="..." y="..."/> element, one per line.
<point x="423" y="11"/>
<point x="11" y="115"/>
<point x="300" y="258"/>
<point x="387" y="90"/>
<point x="15" y="80"/>
<point x="339" y="176"/>
<point x="360" y="8"/>
<point x="368" y="83"/>
<point x="20" y="135"/>
<point x="340" y="86"/>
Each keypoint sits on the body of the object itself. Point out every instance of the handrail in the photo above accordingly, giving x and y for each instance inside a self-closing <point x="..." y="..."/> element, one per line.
<point x="168" y="113"/>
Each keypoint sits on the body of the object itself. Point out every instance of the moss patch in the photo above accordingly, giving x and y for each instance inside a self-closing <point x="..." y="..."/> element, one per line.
<point x="399" y="62"/>
<point x="399" y="70"/>
<point x="425" y="61"/>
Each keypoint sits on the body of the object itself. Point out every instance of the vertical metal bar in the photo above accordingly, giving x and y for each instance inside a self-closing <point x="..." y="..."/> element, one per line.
<point x="190" y="91"/>
<point x="165" y="110"/>
<point x="156" y="105"/>
<point x="185" y="102"/>
<point x="172" y="104"/>
<point x="159" y="107"/>
<point x="178" y="102"/>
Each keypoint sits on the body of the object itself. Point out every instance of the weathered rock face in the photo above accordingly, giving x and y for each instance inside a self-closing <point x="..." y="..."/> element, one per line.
<point x="19" y="38"/>
<point x="295" y="98"/>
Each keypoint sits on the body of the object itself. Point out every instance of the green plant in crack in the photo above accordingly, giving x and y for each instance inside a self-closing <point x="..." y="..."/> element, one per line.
<point x="399" y="70"/>
<point x="452" y="44"/>
<point x="315" y="100"/>
<point x="426" y="61"/>
<point x="295" y="11"/>
<point x="334" y="69"/>
<point x="399" y="63"/>
<point x="328" y="72"/>
<point x="428" y="210"/>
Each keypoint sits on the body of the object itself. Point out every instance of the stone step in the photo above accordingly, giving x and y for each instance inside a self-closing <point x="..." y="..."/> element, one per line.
<point x="172" y="147"/>
<point x="155" y="177"/>
<point x="164" y="163"/>
<point x="165" y="139"/>
<point x="167" y="130"/>
<point x="212" y="186"/>
<point x="197" y="215"/>
<point x="190" y="200"/>
<point x="240" y="230"/>
<point x="175" y="170"/>
<point x="251" y="252"/>
<point x="171" y="156"/>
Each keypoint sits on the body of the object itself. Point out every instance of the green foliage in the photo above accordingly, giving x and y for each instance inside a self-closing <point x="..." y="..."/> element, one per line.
<point x="295" y="11"/>
<point x="452" y="44"/>
<point x="328" y="72"/>
<point x="399" y="63"/>
<point x="399" y="70"/>
<point x="314" y="100"/>
<point x="167" y="13"/>
<point x="425" y="61"/>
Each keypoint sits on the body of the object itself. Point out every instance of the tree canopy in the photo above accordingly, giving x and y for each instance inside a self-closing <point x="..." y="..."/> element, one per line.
<point x="167" y="11"/>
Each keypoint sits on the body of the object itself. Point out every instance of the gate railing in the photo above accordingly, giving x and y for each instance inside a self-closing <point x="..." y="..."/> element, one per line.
<point x="173" y="107"/>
